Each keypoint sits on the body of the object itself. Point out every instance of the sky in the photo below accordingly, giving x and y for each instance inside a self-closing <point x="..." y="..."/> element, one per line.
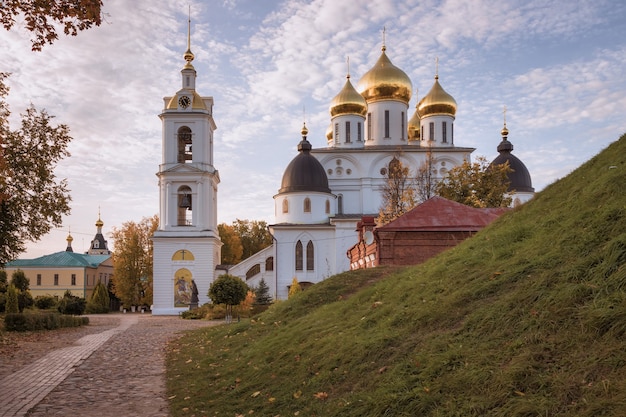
<point x="557" y="65"/>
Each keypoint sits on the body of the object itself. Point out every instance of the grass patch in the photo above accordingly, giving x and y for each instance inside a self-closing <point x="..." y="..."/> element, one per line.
<point x="527" y="318"/>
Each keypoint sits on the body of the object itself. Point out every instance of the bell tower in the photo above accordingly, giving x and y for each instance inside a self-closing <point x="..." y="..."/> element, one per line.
<point x="186" y="245"/>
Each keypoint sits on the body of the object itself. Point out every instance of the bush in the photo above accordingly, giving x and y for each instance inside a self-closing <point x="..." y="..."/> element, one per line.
<point x="45" y="302"/>
<point x="31" y="321"/>
<point x="24" y="300"/>
<point x="12" y="305"/>
<point x="71" y="304"/>
<point x="206" y="311"/>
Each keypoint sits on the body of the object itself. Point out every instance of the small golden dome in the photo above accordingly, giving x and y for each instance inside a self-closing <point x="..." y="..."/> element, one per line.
<point x="413" y="128"/>
<point x="504" y="132"/>
<point x="385" y="81"/>
<point x="329" y="133"/>
<point x="99" y="223"/>
<point x="348" y="101"/>
<point x="69" y="238"/>
<point x="437" y="101"/>
<point x="304" y="130"/>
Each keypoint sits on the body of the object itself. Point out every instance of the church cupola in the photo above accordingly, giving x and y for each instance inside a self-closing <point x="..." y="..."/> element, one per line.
<point x="304" y="195"/>
<point x="99" y="244"/>
<point x="347" y="111"/>
<point x="387" y="90"/>
<point x="437" y="111"/>
<point x="69" y="240"/>
<point x="413" y="129"/>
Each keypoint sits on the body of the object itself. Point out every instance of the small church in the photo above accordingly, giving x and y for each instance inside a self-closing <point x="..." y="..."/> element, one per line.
<point x="325" y="190"/>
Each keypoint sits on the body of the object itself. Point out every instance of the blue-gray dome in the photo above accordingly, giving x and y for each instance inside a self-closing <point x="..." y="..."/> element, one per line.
<point x="519" y="178"/>
<point x="304" y="172"/>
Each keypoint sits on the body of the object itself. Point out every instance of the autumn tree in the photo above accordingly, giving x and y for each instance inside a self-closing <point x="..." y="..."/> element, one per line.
<point x="294" y="288"/>
<point x="12" y="305"/>
<point x="132" y="261"/>
<point x="254" y="236"/>
<point x="41" y="17"/>
<point x="32" y="199"/>
<point x="229" y="290"/>
<point x="477" y="184"/>
<point x="399" y="194"/>
<point x="243" y="239"/>
<point x="22" y="284"/>
<point x="426" y="179"/>
<point x="231" y="244"/>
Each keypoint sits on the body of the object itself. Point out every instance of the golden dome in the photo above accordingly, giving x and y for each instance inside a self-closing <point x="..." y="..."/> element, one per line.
<point x="385" y="81"/>
<point x="413" y="128"/>
<point x="304" y="131"/>
<point x="437" y="101"/>
<point x="69" y="238"/>
<point x="196" y="103"/>
<point x="99" y="223"/>
<point x="348" y="101"/>
<point x="329" y="133"/>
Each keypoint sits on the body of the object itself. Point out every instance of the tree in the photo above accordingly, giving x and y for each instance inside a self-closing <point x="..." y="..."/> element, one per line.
<point x="3" y="281"/>
<point x="254" y="236"/>
<point x="71" y="304"/>
<point x="20" y="281"/>
<point x="262" y="292"/>
<point x="12" y="305"/>
<point x="32" y="201"/>
<point x="99" y="301"/>
<point x="477" y="184"/>
<point x="132" y="261"/>
<point x="40" y="16"/>
<point x="230" y="290"/>
<point x="231" y="248"/>
<point x="243" y="239"/>
<point x="295" y="288"/>
<point x="426" y="179"/>
<point x="398" y="192"/>
<point x="22" y="284"/>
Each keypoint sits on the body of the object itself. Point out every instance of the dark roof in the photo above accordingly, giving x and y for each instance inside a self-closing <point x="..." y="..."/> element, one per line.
<point x="61" y="259"/>
<point x="440" y="214"/>
<point x="304" y="172"/>
<point x="519" y="178"/>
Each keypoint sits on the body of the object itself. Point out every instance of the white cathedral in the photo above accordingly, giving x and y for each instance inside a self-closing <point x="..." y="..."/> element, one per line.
<point x="324" y="191"/>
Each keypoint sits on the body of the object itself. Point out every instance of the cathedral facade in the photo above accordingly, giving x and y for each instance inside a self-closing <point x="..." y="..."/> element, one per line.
<point x="324" y="192"/>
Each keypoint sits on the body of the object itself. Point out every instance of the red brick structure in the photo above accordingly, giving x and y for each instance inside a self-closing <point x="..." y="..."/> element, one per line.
<point x="425" y="231"/>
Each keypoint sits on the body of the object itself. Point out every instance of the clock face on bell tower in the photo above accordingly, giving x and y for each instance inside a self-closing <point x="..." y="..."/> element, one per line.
<point x="184" y="101"/>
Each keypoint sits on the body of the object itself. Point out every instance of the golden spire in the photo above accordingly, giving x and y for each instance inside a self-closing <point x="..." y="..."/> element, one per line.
<point x="436" y="68"/>
<point x="188" y="56"/>
<point x="384" y="48"/>
<point x="504" y="131"/>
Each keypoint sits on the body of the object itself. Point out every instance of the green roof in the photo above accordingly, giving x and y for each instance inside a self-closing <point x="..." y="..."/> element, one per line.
<point x="61" y="259"/>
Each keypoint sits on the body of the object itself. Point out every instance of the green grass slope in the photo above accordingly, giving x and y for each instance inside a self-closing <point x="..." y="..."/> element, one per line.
<point x="528" y="318"/>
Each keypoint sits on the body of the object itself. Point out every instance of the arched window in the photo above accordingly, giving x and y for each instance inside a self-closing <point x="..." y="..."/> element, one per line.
<point x="285" y="206"/>
<point x="184" y="206"/>
<point x="307" y="205"/>
<point x="310" y="256"/>
<point x="299" y="256"/>
<point x="269" y="264"/>
<point x="327" y="207"/>
<point x="256" y="269"/>
<point x="184" y="144"/>
<point x="340" y="204"/>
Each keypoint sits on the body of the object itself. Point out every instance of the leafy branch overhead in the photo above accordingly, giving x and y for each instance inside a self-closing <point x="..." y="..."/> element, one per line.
<point x="42" y="17"/>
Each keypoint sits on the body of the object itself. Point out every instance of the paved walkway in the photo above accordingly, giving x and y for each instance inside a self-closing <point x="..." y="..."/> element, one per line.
<point x="118" y="372"/>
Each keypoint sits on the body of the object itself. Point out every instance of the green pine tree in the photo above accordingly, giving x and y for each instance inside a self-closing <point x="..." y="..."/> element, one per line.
<point x="99" y="301"/>
<point x="262" y="293"/>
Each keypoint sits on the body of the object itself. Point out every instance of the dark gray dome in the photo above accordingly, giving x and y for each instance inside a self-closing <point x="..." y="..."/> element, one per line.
<point x="304" y="172"/>
<point x="520" y="177"/>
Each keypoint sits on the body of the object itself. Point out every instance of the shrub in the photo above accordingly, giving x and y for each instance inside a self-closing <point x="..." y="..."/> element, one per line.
<point x="31" y="321"/>
<point x="20" y="281"/>
<point x="45" y="302"/>
<point x="71" y="304"/>
<point x="24" y="300"/>
<point x="12" y="305"/>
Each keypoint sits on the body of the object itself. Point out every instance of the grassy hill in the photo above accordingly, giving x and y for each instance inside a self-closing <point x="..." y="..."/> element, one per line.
<point x="528" y="318"/>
